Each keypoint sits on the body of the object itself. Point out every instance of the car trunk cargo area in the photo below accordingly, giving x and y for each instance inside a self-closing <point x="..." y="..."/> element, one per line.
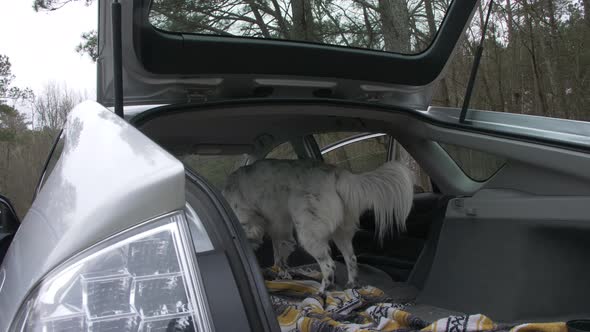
<point x="511" y="270"/>
<point x="513" y="247"/>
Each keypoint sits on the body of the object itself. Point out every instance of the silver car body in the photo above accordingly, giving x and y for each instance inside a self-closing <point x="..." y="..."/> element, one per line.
<point x="109" y="177"/>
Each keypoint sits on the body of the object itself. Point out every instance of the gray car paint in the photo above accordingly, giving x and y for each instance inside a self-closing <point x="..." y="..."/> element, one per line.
<point x="109" y="177"/>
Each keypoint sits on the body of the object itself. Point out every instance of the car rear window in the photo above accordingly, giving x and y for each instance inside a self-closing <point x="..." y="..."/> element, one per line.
<point x="387" y="25"/>
<point x="215" y="168"/>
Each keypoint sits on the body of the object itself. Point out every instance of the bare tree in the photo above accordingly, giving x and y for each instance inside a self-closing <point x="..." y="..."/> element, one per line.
<point x="53" y="104"/>
<point x="303" y="21"/>
<point x="587" y="12"/>
<point x="395" y="21"/>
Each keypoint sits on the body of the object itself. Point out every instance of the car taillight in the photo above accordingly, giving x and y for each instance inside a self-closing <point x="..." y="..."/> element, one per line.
<point x="144" y="279"/>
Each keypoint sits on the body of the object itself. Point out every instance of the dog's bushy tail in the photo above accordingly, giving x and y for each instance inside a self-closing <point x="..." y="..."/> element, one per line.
<point x="388" y="191"/>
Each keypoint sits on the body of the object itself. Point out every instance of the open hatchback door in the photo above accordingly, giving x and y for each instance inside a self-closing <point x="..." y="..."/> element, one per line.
<point x="189" y="51"/>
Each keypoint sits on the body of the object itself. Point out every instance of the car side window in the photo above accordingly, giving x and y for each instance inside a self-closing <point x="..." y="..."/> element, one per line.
<point x="214" y="168"/>
<point x="478" y="165"/>
<point x="422" y="182"/>
<point x="360" y="156"/>
<point x="359" y="153"/>
<point x="283" y="151"/>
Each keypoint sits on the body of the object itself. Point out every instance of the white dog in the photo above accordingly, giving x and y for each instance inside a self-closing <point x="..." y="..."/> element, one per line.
<point x="321" y="202"/>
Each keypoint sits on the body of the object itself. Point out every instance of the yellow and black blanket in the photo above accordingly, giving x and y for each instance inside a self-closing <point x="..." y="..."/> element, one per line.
<point x="299" y="308"/>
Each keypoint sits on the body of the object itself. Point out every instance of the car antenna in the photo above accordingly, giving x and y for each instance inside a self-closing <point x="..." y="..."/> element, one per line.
<point x="475" y="67"/>
<point x="117" y="57"/>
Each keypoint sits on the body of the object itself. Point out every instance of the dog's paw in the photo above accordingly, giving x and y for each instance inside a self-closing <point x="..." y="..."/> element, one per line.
<point x="325" y="286"/>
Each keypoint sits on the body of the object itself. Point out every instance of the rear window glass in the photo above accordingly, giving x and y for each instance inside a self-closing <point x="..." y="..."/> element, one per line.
<point x="327" y="139"/>
<point x="407" y="26"/>
<point x="283" y="151"/>
<point x="361" y="156"/>
<point x="358" y="152"/>
<point x="214" y="168"/>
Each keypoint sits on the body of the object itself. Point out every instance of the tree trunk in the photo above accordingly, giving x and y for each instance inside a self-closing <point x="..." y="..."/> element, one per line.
<point x="537" y="78"/>
<point x="369" y="27"/>
<point x="513" y="100"/>
<point x="552" y="18"/>
<point x="283" y="26"/>
<point x="430" y="17"/>
<point x="510" y="21"/>
<point x="446" y="95"/>
<point x="551" y="58"/>
<point x="587" y="12"/>
<point x="429" y="9"/>
<point x="555" y="89"/>
<point x="488" y="91"/>
<point x="500" y="78"/>
<point x="259" y="20"/>
<point x="395" y="24"/>
<point x="303" y="25"/>
<point x="457" y="96"/>
<point x="538" y="84"/>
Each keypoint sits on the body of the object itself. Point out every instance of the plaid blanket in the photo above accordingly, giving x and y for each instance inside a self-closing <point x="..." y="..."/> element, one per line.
<point x="300" y="308"/>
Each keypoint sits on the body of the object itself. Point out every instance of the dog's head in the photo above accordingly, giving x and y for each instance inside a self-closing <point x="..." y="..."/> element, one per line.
<point x="251" y="222"/>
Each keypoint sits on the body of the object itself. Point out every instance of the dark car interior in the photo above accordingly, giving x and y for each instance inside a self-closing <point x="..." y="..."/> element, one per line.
<point x="399" y="254"/>
<point x="512" y="244"/>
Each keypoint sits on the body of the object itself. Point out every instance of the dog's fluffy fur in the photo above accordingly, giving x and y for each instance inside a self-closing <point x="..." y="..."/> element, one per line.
<point x="321" y="202"/>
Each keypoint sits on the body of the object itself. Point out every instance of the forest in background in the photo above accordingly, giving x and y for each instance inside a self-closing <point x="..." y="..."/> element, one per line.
<point x="536" y="61"/>
<point x="29" y="124"/>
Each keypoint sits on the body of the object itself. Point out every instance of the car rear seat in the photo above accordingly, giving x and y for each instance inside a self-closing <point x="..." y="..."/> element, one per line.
<point x="400" y="266"/>
<point x="400" y="292"/>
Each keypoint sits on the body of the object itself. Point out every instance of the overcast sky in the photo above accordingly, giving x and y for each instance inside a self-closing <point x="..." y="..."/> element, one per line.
<point x="41" y="45"/>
